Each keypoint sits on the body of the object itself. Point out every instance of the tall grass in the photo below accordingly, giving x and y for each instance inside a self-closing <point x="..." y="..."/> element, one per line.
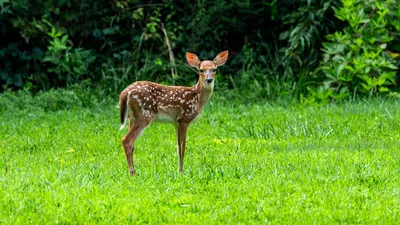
<point x="262" y="163"/>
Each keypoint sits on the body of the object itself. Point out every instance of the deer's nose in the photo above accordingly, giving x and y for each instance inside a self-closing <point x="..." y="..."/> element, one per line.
<point x="209" y="80"/>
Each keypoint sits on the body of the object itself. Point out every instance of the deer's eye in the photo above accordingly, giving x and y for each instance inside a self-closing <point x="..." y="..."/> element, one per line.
<point x="201" y="71"/>
<point x="214" y="70"/>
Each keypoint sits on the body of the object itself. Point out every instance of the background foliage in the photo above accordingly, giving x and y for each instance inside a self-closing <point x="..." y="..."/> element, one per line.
<point x="316" y="50"/>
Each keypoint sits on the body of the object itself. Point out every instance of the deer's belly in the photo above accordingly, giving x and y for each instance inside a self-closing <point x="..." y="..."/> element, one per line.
<point x="166" y="115"/>
<point x="164" y="118"/>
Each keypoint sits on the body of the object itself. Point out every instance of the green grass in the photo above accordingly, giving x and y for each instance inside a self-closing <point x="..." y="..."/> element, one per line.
<point x="246" y="164"/>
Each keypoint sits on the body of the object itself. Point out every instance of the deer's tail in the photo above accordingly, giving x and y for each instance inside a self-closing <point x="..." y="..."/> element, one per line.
<point x="123" y="108"/>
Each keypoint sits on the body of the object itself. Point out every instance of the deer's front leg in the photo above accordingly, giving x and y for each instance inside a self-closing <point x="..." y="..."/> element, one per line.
<point x="181" y="136"/>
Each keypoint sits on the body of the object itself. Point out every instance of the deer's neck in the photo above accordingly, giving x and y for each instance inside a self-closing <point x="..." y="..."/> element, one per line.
<point x="204" y="91"/>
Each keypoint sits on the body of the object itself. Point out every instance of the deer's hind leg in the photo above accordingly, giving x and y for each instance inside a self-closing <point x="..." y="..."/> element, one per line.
<point x="137" y="124"/>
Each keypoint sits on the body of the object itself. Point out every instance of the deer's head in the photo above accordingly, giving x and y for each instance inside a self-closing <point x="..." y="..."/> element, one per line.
<point x="207" y="68"/>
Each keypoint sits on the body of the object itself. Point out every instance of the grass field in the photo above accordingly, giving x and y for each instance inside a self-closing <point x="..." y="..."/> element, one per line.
<point x="246" y="164"/>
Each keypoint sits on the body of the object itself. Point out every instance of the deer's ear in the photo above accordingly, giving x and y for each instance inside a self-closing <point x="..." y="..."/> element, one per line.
<point x="221" y="58"/>
<point x="192" y="60"/>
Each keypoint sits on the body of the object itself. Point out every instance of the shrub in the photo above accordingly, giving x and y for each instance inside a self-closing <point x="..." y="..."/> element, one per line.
<point x="359" y="59"/>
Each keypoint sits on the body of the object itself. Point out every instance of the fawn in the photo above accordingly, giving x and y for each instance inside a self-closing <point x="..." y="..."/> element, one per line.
<point x="143" y="102"/>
